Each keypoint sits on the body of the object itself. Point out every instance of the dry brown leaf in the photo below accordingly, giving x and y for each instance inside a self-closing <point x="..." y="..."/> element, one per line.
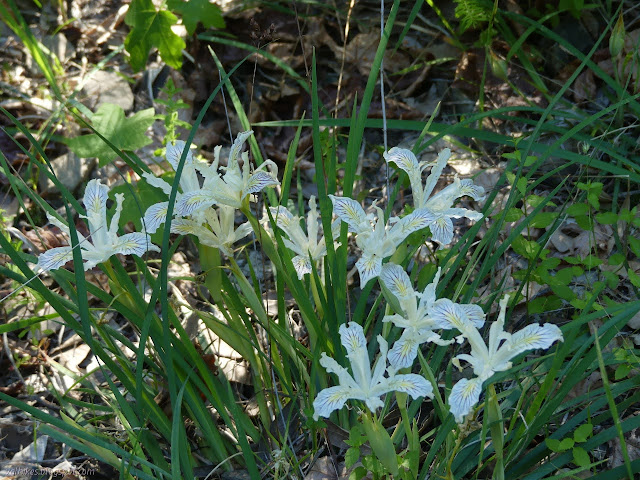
<point x="632" y="440"/>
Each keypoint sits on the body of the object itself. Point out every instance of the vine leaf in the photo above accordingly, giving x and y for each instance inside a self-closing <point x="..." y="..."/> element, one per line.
<point x="194" y="11"/>
<point x="152" y="28"/>
<point x="125" y="133"/>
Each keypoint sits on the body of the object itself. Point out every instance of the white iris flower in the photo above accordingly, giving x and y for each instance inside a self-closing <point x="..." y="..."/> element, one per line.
<point x="416" y="318"/>
<point x="221" y="233"/>
<point x="494" y="357"/>
<point x="232" y="187"/>
<point x="377" y="241"/>
<point x="156" y="214"/>
<point x="364" y="384"/>
<point x="307" y="246"/>
<point x="105" y="241"/>
<point x="439" y="205"/>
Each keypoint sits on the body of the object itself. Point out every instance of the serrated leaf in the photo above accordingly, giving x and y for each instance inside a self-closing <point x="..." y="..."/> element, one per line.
<point x="552" y="444"/>
<point x="351" y="457"/>
<point x="543" y="219"/>
<point x="152" y="28"/>
<point x="125" y="133"/>
<point x="563" y="292"/>
<point x="634" y="245"/>
<point x="513" y="215"/>
<point x="535" y="200"/>
<point x="566" y="444"/>
<point x="544" y="304"/>
<point x="578" y="209"/>
<point x="585" y="222"/>
<point x="520" y="183"/>
<point x="616" y="259"/>
<point x="581" y="457"/>
<point x="622" y="371"/>
<point x="634" y="278"/>
<point x="590" y="261"/>
<point x="526" y="248"/>
<point x="607" y="218"/>
<point x="583" y="432"/>
<point x="194" y="11"/>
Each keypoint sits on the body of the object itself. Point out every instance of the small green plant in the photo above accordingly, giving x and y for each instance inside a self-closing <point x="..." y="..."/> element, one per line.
<point x="151" y="27"/>
<point x="580" y="435"/>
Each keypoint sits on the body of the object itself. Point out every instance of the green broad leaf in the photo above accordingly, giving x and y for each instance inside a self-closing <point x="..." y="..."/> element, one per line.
<point x="351" y="457"/>
<point x="125" y="133"/>
<point x="616" y="259"/>
<point x="563" y="292"/>
<point x="622" y="371"/>
<point x="634" y="245"/>
<point x="553" y="444"/>
<point x="585" y="222"/>
<point x="566" y="444"/>
<point x="194" y="11"/>
<point x="512" y="215"/>
<point x="607" y="218"/>
<point x="358" y="473"/>
<point x="573" y="260"/>
<point x="152" y="28"/>
<point x="137" y="198"/>
<point x="536" y="200"/>
<point x="612" y="279"/>
<point x="543" y="219"/>
<point x="544" y="304"/>
<point x="626" y="215"/>
<point x="520" y="184"/>
<point x="581" y="457"/>
<point x="591" y="262"/>
<point x="583" y="432"/>
<point x="634" y="278"/>
<point x="578" y="209"/>
<point x="527" y="248"/>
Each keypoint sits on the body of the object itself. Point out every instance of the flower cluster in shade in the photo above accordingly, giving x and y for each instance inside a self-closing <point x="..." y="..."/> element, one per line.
<point x="104" y="241"/>
<point x="194" y="211"/>
<point x="420" y="315"/>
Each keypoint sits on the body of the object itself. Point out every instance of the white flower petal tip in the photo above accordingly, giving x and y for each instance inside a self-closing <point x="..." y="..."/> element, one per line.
<point x="54" y="258"/>
<point x="403" y="158"/>
<point x="192" y="202"/>
<point x="350" y="211"/>
<point x="95" y="198"/>
<point x="329" y="400"/>
<point x="396" y="280"/>
<point x="464" y="396"/>
<point x="259" y="181"/>
<point x="352" y="338"/>
<point x="533" y="337"/>
<point x="302" y="266"/>
<point x="174" y="153"/>
<point x="155" y="216"/>
<point x="467" y="187"/>
<point x="369" y="267"/>
<point x="136" y="243"/>
<point x="238" y="143"/>
<point x="404" y="351"/>
<point x="415" y="385"/>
